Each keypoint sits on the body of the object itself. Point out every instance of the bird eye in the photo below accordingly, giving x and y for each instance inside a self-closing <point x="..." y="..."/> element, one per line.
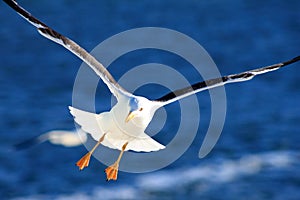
<point x="140" y="109"/>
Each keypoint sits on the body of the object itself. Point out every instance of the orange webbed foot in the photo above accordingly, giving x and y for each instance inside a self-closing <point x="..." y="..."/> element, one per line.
<point x="112" y="172"/>
<point x="84" y="161"/>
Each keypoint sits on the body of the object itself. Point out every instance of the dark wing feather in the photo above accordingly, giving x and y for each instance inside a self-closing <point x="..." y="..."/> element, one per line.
<point x="216" y="82"/>
<point x="51" y="34"/>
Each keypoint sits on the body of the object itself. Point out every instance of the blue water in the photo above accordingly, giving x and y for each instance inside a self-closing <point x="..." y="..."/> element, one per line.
<point x="257" y="156"/>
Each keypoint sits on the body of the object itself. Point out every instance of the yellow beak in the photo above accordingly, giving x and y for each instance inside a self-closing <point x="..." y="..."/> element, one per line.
<point x="129" y="117"/>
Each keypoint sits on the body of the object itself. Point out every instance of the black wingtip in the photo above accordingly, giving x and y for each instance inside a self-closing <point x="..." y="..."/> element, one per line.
<point x="24" y="13"/>
<point x="27" y="143"/>
<point x="10" y="2"/>
<point x="296" y="59"/>
<point x="14" y="5"/>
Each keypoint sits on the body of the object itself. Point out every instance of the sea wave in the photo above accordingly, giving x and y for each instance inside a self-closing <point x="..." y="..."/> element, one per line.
<point x="208" y="180"/>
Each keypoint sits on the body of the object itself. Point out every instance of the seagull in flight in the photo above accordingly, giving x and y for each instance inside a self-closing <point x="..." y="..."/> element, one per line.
<point x="123" y="127"/>
<point x="65" y="138"/>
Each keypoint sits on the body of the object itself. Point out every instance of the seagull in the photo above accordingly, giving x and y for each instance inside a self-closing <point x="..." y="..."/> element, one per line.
<point x="123" y="127"/>
<point x="65" y="138"/>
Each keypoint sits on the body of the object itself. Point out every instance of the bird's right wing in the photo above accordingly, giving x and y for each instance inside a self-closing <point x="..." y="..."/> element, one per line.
<point x="51" y="34"/>
<point x="88" y="122"/>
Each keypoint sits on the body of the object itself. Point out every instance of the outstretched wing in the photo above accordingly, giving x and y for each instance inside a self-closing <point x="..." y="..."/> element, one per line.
<point x="216" y="82"/>
<point x="51" y="34"/>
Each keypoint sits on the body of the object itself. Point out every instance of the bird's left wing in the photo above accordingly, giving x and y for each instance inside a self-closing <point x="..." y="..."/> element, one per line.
<point x="216" y="82"/>
<point x="51" y="34"/>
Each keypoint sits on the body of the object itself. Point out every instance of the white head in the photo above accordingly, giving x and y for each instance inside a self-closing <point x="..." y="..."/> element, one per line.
<point x="141" y="111"/>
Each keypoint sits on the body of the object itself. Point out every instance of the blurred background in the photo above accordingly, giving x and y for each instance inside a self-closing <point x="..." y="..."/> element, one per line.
<point x="257" y="155"/>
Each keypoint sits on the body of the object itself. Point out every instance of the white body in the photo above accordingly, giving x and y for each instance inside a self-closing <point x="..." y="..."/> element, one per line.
<point x="66" y="138"/>
<point x="118" y="132"/>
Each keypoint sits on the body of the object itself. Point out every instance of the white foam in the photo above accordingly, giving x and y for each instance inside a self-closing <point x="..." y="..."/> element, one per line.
<point x="217" y="172"/>
<point x="207" y="176"/>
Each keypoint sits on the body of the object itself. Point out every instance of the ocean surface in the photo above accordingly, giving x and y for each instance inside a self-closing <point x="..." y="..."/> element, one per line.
<point x="257" y="155"/>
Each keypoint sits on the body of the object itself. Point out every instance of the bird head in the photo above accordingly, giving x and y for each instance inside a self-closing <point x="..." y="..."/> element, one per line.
<point x="141" y="111"/>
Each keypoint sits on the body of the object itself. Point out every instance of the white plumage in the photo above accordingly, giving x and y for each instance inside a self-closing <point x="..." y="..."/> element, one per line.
<point x="58" y="137"/>
<point x="98" y="124"/>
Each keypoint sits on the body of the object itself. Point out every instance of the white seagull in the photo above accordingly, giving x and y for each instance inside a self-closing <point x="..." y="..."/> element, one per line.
<point x="65" y="138"/>
<point x="123" y="127"/>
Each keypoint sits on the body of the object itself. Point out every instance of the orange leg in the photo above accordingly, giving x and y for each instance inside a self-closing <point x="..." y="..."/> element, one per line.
<point x="84" y="161"/>
<point x="112" y="171"/>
